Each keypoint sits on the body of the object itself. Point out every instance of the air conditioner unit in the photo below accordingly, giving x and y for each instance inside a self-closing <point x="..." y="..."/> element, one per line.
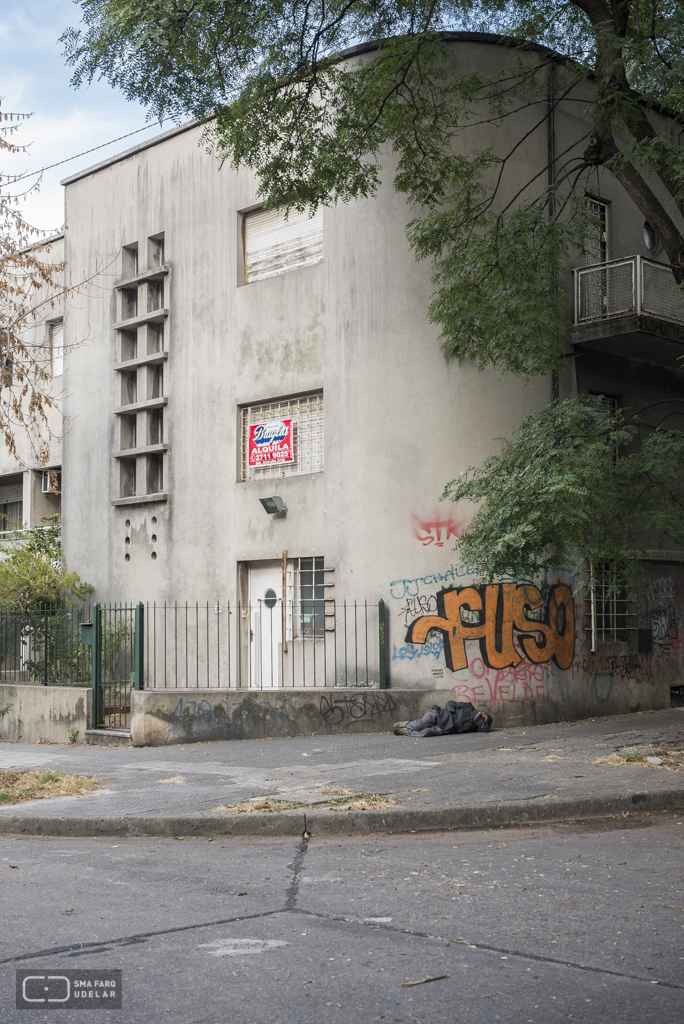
<point x="52" y="481"/>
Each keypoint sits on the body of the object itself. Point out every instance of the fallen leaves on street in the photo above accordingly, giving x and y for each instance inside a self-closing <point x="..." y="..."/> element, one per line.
<point x="266" y="805"/>
<point x="670" y="760"/>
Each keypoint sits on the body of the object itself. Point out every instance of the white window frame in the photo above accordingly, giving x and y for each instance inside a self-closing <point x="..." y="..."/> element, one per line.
<point x="599" y="210"/>
<point x="57" y="352"/>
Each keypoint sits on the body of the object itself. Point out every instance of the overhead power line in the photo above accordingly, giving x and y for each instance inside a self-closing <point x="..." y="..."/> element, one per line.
<point x="30" y="174"/>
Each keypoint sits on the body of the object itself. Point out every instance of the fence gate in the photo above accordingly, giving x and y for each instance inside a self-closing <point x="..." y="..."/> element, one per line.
<point x="116" y="634"/>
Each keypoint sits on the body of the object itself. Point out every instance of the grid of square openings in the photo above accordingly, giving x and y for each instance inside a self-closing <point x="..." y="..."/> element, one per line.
<point x="307" y="415"/>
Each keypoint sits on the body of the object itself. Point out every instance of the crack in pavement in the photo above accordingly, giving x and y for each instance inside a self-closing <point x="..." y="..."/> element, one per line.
<point x="131" y="940"/>
<point x="292" y="891"/>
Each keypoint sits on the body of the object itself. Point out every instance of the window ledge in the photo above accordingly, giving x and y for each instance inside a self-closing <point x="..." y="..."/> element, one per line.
<point x="141" y="499"/>
<point x="148" y="449"/>
<point x="657" y="555"/>
<point x="155" y="316"/>
<point x="146" y="275"/>
<point x="131" y="364"/>
<point x="151" y="403"/>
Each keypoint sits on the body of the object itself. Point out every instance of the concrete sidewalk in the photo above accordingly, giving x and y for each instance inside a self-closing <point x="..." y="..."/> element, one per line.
<point x="505" y="777"/>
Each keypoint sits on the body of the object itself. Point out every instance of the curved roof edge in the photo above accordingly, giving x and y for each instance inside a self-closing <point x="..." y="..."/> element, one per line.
<point x="492" y="38"/>
<point x="462" y="37"/>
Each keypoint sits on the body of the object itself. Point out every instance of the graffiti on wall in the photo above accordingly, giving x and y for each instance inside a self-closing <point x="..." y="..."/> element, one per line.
<point x="509" y="620"/>
<point x="435" y="529"/>
<point x="664" y="629"/>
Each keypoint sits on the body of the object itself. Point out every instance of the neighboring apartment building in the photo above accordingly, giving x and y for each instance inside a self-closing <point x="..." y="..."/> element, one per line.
<point x="29" y="489"/>
<point x="226" y="355"/>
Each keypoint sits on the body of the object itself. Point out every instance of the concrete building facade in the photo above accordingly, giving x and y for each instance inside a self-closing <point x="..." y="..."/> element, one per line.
<point x="31" y="489"/>
<point x="212" y="321"/>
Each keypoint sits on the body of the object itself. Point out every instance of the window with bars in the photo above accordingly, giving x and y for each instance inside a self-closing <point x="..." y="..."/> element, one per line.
<point x="596" y="237"/>
<point x="57" y="347"/>
<point x="609" y="404"/>
<point x="605" y="403"/>
<point x="610" y="614"/>
<point x="295" y="428"/>
<point x="314" y="598"/>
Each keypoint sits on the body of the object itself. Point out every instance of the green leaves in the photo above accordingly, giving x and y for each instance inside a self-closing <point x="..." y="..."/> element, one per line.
<point x="33" y="572"/>
<point x="466" y="132"/>
<point x="558" y="494"/>
<point x="501" y="297"/>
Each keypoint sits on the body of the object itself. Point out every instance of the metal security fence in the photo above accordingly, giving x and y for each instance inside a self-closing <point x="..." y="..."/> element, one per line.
<point x="268" y="644"/>
<point x="115" y="636"/>
<point x="43" y="646"/>
<point x="632" y="285"/>
<point x="116" y="648"/>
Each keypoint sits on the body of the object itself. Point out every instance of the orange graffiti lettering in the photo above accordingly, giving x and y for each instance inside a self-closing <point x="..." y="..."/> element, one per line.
<point x="498" y="615"/>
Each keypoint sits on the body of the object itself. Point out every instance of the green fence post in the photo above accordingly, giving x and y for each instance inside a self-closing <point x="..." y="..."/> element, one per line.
<point x="45" y="682"/>
<point x="139" y="645"/>
<point x="382" y="627"/>
<point x="97" y="664"/>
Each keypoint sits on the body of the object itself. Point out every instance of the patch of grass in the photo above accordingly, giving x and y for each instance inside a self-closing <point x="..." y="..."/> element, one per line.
<point x="337" y="791"/>
<point x="15" y="787"/>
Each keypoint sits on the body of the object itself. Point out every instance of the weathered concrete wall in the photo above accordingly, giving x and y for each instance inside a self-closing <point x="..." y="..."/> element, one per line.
<point x="161" y="717"/>
<point x="521" y="678"/>
<point x="401" y="419"/>
<point x="45" y="713"/>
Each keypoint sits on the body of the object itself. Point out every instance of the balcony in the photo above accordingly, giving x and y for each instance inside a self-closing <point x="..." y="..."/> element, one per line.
<point x="630" y="307"/>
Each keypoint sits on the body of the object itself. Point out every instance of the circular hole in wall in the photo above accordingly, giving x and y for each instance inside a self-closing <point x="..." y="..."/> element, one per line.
<point x="127" y="557"/>
<point x="128" y="523"/>
<point x="128" y="540"/>
<point x="154" y="554"/>
<point x="154" y="520"/>
<point x="154" y="538"/>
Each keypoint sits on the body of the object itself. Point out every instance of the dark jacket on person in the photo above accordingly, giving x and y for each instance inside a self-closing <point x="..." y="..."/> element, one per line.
<point x="459" y="716"/>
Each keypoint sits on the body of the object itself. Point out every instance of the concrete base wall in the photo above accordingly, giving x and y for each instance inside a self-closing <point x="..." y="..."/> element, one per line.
<point x="162" y="717"/>
<point x="58" y="714"/>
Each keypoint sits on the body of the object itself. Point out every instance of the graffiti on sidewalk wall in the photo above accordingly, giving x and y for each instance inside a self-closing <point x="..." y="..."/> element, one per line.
<point x="511" y="621"/>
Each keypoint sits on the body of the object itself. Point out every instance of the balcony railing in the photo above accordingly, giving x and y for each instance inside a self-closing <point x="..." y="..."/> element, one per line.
<point x="629" y="286"/>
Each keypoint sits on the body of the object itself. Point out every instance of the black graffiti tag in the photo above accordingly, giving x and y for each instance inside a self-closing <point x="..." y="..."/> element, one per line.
<point x="334" y="710"/>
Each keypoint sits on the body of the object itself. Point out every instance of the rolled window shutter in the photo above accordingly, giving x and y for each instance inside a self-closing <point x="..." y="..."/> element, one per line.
<point x="58" y="335"/>
<point x="275" y="245"/>
<point x="11" y="492"/>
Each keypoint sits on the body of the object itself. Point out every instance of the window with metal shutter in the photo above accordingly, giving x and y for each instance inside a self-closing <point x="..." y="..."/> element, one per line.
<point x="11" y="493"/>
<point x="57" y="346"/>
<point x="275" y="244"/>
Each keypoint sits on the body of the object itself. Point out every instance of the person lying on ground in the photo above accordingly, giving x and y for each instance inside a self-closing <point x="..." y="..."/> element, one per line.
<point x="457" y="716"/>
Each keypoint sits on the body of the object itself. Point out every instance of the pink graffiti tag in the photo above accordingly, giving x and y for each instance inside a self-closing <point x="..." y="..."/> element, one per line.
<point x="436" y="530"/>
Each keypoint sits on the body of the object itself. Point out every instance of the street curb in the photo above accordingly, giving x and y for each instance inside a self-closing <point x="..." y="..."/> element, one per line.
<point x="335" y="823"/>
<point x="280" y="823"/>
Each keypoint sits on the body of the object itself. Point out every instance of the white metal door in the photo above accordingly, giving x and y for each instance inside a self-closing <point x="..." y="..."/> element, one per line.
<point x="266" y="624"/>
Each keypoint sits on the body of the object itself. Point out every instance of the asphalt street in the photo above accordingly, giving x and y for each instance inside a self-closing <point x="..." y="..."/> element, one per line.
<point x="573" y="921"/>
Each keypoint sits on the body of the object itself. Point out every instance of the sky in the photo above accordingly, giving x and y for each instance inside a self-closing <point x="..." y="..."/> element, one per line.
<point x="34" y="78"/>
